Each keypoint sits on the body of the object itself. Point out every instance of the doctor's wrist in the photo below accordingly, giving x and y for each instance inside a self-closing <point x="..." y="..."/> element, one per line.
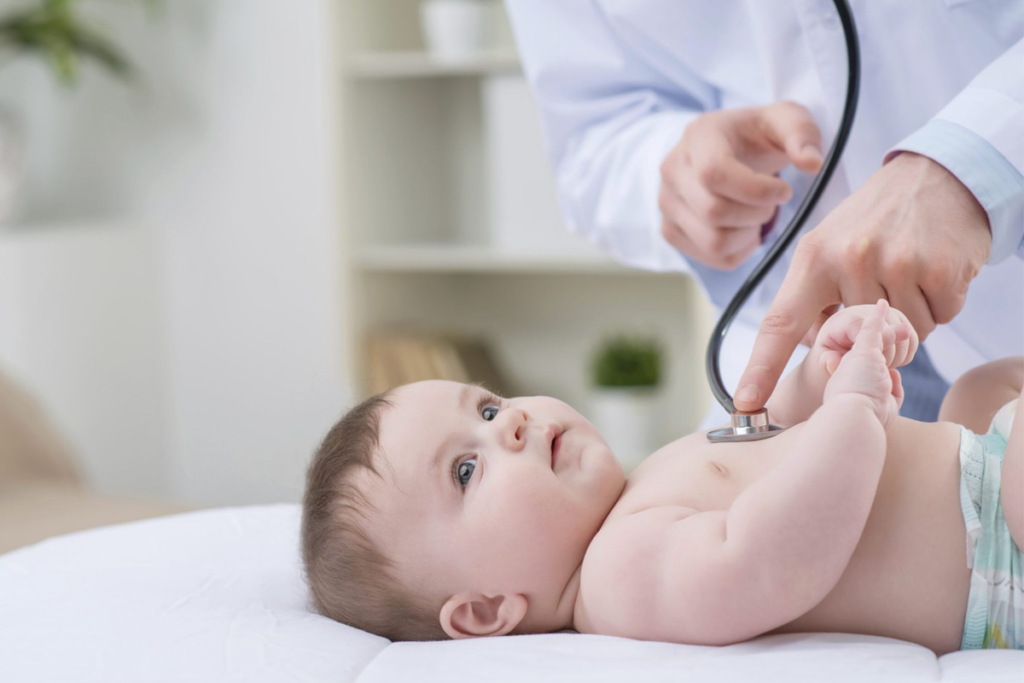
<point x="992" y="180"/>
<point x="949" y="185"/>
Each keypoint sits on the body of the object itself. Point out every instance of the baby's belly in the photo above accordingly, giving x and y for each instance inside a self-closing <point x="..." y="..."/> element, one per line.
<point x="908" y="577"/>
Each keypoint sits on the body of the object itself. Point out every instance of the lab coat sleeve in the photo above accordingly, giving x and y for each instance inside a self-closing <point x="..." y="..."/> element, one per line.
<point x="979" y="137"/>
<point x="611" y="112"/>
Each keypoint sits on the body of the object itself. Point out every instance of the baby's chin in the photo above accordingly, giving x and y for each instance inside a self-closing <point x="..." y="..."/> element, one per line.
<point x="606" y="494"/>
<point x="615" y="476"/>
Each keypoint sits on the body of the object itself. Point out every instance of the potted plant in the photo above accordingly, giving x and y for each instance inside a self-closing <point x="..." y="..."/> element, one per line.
<point x="625" y="401"/>
<point x="454" y="29"/>
<point x="52" y="30"/>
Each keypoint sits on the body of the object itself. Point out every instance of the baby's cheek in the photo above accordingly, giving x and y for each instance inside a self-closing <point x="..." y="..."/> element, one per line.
<point x="532" y="508"/>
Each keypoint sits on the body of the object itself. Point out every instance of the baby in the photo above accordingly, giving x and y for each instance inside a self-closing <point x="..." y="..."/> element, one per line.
<point x="440" y="510"/>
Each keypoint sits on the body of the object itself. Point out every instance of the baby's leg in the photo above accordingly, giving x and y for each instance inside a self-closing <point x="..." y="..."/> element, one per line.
<point x="974" y="399"/>
<point x="1012" y="485"/>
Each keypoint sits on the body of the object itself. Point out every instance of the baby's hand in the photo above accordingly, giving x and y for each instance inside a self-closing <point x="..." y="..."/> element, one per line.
<point x="865" y="369"/>
<point x="837" y="335"/>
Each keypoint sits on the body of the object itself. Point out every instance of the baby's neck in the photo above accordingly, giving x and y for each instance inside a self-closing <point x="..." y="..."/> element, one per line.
<point x="581" y="620"/>
<point x="559" y="616"/>
<point x="569" y="603"/>
<point x="570" y="612"/>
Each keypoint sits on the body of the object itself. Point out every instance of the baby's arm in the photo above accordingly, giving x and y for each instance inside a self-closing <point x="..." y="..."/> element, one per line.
<point x="800" y="393"/>
<point x="721" y="577"/>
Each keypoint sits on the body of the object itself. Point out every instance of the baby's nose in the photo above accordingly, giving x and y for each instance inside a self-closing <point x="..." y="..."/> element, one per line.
<point x="516" y="430"/>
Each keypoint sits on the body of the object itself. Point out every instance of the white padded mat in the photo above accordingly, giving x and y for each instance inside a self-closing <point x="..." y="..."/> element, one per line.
<point x="217" y="596"/>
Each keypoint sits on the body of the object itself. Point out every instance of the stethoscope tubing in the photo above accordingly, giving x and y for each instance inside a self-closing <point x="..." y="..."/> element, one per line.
<point x="817" y="187"/>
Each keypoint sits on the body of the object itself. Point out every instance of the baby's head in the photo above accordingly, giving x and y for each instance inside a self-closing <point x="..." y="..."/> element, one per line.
<point x="439" y="510"/>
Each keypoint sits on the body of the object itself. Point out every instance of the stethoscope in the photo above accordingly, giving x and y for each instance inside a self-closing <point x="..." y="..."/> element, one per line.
<point x="753" y="426"/>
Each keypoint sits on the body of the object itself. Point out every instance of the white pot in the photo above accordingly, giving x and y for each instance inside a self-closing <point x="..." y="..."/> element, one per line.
<point x="456" y="28"/>
<point x="630" y="420"/>
<point x="11" y="166"/>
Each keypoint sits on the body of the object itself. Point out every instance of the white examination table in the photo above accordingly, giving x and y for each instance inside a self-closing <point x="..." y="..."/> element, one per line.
<point x="217" y="596"/>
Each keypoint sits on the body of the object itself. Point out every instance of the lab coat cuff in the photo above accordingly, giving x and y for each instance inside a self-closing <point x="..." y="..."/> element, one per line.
<point x="992" y="179"/>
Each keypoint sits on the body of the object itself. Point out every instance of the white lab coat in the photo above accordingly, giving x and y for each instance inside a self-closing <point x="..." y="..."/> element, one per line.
<point x="617" y="81"/>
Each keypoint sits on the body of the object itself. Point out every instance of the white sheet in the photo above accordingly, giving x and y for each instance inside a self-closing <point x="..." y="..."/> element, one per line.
<point x="217" y="596"/>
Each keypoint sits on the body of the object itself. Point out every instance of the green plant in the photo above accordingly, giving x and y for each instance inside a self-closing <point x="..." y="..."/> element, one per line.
<point x="53" y="30"/>
<point x="624" y="361"/>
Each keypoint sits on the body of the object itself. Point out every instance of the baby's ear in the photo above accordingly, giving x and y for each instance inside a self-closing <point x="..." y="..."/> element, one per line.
<point x="472" y="614"/>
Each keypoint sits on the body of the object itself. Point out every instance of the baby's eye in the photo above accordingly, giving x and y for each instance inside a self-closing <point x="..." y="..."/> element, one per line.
<point x="490" y="412"/>
<point x="464" y="471"/>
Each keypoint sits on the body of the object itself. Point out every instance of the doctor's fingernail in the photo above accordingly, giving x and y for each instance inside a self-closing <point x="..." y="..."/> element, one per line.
<point x="748" y="394"/>
<point x="811" y="151"/>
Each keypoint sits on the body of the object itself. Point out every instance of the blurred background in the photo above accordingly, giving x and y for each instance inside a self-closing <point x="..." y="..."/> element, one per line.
<point x="222" y="222"/>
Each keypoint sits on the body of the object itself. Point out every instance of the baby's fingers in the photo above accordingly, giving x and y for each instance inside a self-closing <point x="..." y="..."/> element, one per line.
<point x="902" y="353"/>
<point x="830" y="361"/>
<point x="889" y="340"/>
<point x="905" y="332"/>
<point x="897" y="387"/>
<point x="870" y="335"/>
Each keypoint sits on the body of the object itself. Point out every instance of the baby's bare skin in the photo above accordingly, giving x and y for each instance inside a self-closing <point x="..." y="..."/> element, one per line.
<point x="908" y="577"/>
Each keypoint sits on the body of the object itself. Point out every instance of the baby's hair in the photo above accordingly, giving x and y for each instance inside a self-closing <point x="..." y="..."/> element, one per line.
<point x="351" y="580"/>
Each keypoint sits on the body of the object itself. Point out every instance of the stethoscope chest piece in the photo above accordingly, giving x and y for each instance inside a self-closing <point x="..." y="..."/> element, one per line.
<point x="746" y="427"/>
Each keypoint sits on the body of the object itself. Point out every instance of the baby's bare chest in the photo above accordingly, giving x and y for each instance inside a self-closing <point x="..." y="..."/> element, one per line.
<point x="692" y="472"/>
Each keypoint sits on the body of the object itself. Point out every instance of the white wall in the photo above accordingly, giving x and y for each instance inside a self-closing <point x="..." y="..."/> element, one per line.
<point x="80" y="324"/>
<point x="227" y="154"/>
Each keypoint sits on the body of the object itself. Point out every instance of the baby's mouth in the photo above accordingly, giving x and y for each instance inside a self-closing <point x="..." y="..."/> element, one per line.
<point x="556" y="445"/>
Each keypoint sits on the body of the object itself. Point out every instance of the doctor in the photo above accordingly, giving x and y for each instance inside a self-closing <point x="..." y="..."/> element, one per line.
<point x="684" y="134"/>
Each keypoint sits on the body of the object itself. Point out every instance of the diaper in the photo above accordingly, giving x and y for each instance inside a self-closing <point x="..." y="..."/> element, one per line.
<point x="995" y="606"/>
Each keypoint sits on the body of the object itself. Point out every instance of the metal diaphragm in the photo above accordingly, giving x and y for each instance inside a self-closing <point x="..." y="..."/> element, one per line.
<point x="746" y="427"/>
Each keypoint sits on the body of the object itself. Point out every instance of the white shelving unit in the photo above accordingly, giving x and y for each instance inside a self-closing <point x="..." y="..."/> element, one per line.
<point x="422" y="146"/>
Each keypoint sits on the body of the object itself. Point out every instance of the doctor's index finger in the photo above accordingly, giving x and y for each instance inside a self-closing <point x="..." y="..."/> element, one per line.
<point x="729" y="177"/>
<point x="792" y="129"/>
<point x="805" y="292"/>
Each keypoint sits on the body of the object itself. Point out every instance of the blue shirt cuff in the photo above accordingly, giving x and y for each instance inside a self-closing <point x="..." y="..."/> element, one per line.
<point x="995" y="183"/>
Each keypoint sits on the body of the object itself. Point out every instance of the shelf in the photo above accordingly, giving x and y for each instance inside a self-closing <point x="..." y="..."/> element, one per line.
<point x="474" y="243"/>
<point x="394" y="65"/>
<point x="466" y="259"/>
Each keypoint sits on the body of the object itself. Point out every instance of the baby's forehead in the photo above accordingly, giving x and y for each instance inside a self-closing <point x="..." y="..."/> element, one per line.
<point x="426" y="391"/>
<point x="413" y="426"/>
<point x="420" y="406"/>
<point x="422" y="400"/>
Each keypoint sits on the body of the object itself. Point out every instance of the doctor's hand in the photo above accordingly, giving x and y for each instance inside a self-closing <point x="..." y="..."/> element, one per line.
<point x="718" y="185"/>
<point x="912" y="234"/>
